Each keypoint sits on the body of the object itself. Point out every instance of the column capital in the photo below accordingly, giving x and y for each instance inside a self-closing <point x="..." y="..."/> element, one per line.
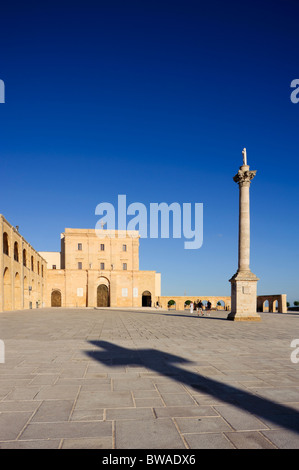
<point x="244" y="175"/>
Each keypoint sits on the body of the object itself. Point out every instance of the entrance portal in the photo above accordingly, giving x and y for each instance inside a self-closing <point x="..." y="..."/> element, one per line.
<point x="146" y="299"/>
<point x="56" y="298"/>
<point x="103" y="299"/>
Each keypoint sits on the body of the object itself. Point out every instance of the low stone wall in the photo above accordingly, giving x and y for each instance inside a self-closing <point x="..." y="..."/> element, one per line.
<point x="180" y="301"/>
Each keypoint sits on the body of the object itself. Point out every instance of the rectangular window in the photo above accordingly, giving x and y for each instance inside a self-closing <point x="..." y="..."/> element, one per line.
<point x="79" y="265"/>
<point x="80" y="292"/>
<point x="102" y="266"/>
<point x="124" y="247"/>
<point x="102" y="247"/>
<point x="124" y="266"/>
<point x="80" y="246"/>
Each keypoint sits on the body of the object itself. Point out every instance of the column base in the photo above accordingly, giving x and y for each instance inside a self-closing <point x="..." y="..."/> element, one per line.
<point x="243" y="297"/>
<point x="243" y="317"/>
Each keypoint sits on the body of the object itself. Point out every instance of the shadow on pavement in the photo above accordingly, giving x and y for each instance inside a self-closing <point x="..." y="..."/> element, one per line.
<point x="163" y="363"/>
<point x="180" y="313"/>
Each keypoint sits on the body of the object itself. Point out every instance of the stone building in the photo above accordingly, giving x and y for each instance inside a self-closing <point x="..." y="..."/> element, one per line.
<point x="24" y="271"/>
<point x="93" y="271"/>
<point x="89" y="271"/>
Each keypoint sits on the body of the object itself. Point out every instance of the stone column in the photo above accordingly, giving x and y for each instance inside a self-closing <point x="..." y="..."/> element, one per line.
<point x="244" y="282"/>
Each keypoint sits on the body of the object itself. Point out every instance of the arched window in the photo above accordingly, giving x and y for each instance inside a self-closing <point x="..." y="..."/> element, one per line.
<point x="24" y="258"/>
<point x="5" y="244"/>
<point x="16" y="251"/>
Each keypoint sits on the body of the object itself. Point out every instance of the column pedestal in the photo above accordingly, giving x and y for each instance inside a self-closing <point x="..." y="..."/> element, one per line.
<point x="243" y="297"/>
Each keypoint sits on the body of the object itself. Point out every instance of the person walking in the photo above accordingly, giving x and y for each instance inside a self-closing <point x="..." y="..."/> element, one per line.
<point x="191" y="307"/>
<point x="200" y="305"/>
<point x="209" y="305"/>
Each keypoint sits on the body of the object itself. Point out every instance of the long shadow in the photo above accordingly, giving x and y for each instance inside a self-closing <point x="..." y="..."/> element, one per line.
<point x="181" y="314"/>
<point x="164" y="363"/>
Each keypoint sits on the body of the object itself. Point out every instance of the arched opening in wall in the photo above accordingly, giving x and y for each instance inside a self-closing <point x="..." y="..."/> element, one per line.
<point x="275" y="306"/>
<point x="56" y="298"/>
<point x="146" y="299"/>
<point x="220" y="305"/>
<point x="17" y="292"/>
<point x="32" y="294"/>
<point x="266" y="306"/>
<point x="24" y="258"/>
<point x="5" y="244"/>
<point x="187" y="304"/>
<point x="26" y="293"/>
<point x="38" y="300"/>
<point x="171" y="304"/>
<point x="7" y="294"/>
<point x="16" y="251"/>
<point x="103" y="296"/>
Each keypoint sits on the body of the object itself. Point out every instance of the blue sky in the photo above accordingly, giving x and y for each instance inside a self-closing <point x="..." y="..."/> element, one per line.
<point x="155" y="100"/>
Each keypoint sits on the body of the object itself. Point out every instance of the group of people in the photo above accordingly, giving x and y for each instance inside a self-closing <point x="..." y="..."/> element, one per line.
<point x="199" y="307"/>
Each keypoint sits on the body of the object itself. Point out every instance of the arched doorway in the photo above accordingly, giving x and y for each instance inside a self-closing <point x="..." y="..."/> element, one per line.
<point x="26" y="293"/>
<point x="7" y="301"/>
<point x="17" y="293"/>
<point x="220" y="305"/>
<point x="146" y="299"/>
<point x="103" y="298"/>
<point x="56" y="298"/>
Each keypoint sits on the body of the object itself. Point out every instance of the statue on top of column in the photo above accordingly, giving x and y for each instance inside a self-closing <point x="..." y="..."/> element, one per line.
<point x="244" y="153"/>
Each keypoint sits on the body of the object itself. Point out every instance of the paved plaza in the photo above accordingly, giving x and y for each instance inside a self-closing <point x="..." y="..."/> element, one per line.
<point x="149" y="379"/>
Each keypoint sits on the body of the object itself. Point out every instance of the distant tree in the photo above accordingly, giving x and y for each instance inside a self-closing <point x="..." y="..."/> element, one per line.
<point x="288" y="304"/>
<point x="218" y="303"/>
<point x="171" y="302"/>
<point x="188" y="302"/>
<point x="296" y="303"/>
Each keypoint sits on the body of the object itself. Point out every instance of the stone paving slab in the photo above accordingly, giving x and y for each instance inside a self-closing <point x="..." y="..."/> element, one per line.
<point x="129" y="379"/>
